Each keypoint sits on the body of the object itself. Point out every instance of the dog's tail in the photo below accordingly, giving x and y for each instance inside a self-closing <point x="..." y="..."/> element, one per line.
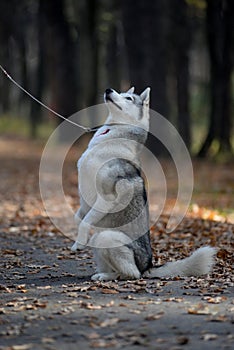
<point x="199" y="263"/>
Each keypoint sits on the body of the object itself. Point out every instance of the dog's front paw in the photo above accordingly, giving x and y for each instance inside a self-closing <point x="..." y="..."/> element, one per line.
<point x="104" y="276"/>
<point x="99" y="277"/>
<point x="77" y="246"/>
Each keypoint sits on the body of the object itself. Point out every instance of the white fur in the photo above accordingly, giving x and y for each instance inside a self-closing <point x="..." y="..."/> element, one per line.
<point x="115" y="262"/>
<point x="199" y="263"/>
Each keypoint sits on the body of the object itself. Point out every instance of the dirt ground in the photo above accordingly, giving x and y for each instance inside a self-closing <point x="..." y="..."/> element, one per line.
<point x="48" y="301"/>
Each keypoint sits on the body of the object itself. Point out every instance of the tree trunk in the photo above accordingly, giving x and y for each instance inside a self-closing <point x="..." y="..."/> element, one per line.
<point x="61" y="58"/>
<point x="87" y="13"/>
<point x="6" y="31"/>
<point x="220" y="43"/>
<point x="113" y="59"/>
<point x="145" y="28"/>
<point x="181" y="39"/>
<point x="39" y="75"/>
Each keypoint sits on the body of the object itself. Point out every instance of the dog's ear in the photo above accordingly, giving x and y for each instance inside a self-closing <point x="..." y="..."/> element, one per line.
<point x="131" y="90"/>
<point x="145" y="96"/>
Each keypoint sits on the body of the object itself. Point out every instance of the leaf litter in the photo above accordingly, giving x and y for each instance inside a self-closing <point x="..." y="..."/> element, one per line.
<point x="39" y="284"/>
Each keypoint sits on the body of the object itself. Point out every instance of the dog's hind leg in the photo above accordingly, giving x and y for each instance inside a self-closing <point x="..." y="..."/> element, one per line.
<point x="113" y="257"/>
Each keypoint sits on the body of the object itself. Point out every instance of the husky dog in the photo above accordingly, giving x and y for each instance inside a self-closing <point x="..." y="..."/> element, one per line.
<point x="113" y="199"/>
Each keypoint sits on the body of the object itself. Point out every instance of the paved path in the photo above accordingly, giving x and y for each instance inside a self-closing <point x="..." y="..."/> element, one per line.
<point x="48" y="302"/>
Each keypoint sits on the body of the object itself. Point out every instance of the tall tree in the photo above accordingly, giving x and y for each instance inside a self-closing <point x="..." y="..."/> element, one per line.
<point x="145" y="28"/>
<point x="38" y="74"/>
<point x="61" y="57"/>
<point x="115" y="52"/>
<point x="6" y="28"/>
<point x="180" y="41"/>
<point x="87" y="17"/>
<point x="220" y="29"/>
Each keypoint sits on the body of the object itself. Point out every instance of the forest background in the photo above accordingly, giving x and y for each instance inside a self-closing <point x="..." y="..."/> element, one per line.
<point x="67" y="52"/>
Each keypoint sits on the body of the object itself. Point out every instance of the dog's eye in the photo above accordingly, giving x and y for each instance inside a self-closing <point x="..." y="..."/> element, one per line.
<point x="129" y="98"/>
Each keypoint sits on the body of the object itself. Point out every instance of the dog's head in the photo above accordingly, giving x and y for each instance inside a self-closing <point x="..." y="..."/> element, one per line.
<point x="128" y="108"/>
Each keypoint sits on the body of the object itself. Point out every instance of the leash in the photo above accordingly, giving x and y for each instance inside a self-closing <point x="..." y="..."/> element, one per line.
<point x="86" y="129"/>
<point x="42" y="104"/>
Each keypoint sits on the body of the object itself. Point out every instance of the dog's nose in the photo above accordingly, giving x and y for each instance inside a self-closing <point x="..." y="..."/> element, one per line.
<point x="108" y="91"/>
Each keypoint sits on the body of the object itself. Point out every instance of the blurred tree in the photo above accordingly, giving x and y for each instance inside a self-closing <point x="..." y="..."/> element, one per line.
<point x="114" y="47"/>
<point x="60" y="57"/>
<point x="37" y="81"/>
<point x="113" y="62"/>
<point x="86" y="16"/>
<point x="220" y="37"/>
<point x="180" y="39"/>
<point x="13" y="47"/>
<point x="6" y="27"/>
<point x="145" y="29"/>
<point x="75" y="49"/>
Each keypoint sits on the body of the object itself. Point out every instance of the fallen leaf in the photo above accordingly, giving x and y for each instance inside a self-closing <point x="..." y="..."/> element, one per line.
<point x="218" y="318"/>
<point x="215" y="300"/>
<point x="109" y="322"/>
<point x="152" y="317"/>
<point x="102" y="343"/>
<point x="41" y="304"/>
<point x="182" y="340"/>
<point x="176" y="300"/>
<point x="89" y="306"/>
<point x="5" y="288"/>
<point x="109" y="291"/>
<point x="22" y="347"/>
<point x="46" y="340"/>
<point x="201" y="309"/>
<point x="209" y="336"/>
<point x="92" y="335"/>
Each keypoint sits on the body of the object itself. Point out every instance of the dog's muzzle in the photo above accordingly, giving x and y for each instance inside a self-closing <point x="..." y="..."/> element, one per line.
<point x="107" y="97"/>
<point x="108" y="91"/>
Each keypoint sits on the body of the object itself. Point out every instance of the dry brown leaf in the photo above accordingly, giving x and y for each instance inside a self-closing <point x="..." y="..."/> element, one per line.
<point x="41" y="304"/>
<point x="218" y="318"/>
<point x="46" y="340"/>
<point x="215" y="300"/>
<point x="135" y="311"/>
<point x="92" y="335"/>
<point x="102" y="343"/>
<point x="109" y="291"/>
<point x="177" y="300"/>
<point x="44" y="287"/>
<point x="209" y="336"/>
<point x="152" y="317"/>
<point x="123" y="305"/>
<point x="15" y="252"/>
<point x="201" y="309"/>
<point x="222" y="254"/>
<point x="22" y="347"/>
<point x="72" y="294"/>
<point x="5" y="288"/>
<point x="22" y="288"/>
<point x="109" y="322"/>
<point x="89" y="306"/>
<point x="182" y="340"/>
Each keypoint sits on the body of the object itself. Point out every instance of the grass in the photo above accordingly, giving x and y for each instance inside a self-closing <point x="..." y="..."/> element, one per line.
<point x="11" y="125"/>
